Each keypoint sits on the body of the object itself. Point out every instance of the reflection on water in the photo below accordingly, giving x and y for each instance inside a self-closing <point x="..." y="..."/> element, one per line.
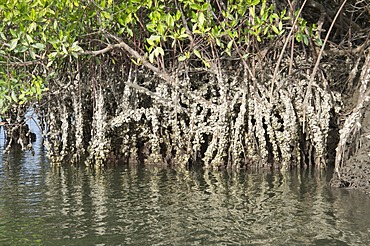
<point x="78" y="206"/>
<point x="44" y="205"/>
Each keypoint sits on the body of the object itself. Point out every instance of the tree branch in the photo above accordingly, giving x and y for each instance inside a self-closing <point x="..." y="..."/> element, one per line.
<point x="169" y="80"/>
<point x="122" y="45"/>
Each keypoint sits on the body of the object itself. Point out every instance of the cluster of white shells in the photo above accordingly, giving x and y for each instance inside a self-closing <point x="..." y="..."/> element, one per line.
<point x="225" y="120"/>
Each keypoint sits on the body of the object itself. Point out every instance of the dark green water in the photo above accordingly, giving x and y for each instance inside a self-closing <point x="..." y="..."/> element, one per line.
<point x="44" y="205"/>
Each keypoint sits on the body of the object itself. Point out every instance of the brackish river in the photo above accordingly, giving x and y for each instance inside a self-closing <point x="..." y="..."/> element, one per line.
<point x="44" y="205"/>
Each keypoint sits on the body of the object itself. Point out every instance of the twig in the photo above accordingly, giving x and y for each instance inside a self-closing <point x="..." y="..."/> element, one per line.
<point x="163" y="75"/>
<point x="283" y="50"/>
<point x="23" y="64"/>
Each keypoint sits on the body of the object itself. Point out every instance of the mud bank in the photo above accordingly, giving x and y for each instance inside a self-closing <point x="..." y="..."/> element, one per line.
<point x="355" y="174"/>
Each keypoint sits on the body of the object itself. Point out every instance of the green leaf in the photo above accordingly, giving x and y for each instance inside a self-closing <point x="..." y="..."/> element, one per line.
<point x="64" y="49"/>
<point x="252" y="12"/>
<point x="29" y="38"/>
<point x="201" y="19"/>
<point x="182" y="36"/>
<point x="157" y="51"/>
<point x="196" y="52"/>
<point x="182" y="58"/>
<point x="205" y="7"/>
<point x="305" y="40"/>
<point x="195" y="6"/>
<point x="206" y="64"/>
<point x="274" y="28"/>
<point x="161" y="28"/>
<point x="153" y="39"/>
<point x="218" y="42"/>
<point x="120" y="31"/>
<point x="299" y="37"/>
<point x="245" y="56"/>
<point x="14" y="34"/>
<point x="13" y="43"/>
<point x="38" y="46"/>
<point x="138" y="62"/>
<point x="76" y="48"/>
<point x="129" y="32"/>
<point x="32" y="54"/>
<point x="254" y="2"/>
<point x="151" y="27"/>
<point x="230" y="44"/>
<point x="33" y="15"/>
<point x="14" y="97"/>
<point x="195" y="26"/>
<point x="178" y="15"/>
<point x="169" y="20"/>
<point x="318" y="41"/>
<point x="151" y="57"/>
<point x="32" y="27"/>
<point x="160" y="50"/>
<point x="274" y="16"/>
<point x="106" y="15"/>
<point x="227" y="51"/>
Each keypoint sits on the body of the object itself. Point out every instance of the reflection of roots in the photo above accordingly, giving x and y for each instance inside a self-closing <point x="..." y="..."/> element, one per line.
<point x="20" y="135"/>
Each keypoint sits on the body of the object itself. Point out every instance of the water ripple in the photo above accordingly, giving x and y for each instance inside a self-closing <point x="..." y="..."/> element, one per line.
<point x="43" y="205"/>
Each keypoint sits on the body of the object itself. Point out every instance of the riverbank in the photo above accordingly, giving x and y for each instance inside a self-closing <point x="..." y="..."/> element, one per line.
<point x="355" y="173"/>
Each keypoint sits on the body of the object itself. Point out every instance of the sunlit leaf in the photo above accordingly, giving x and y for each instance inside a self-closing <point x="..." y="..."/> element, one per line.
<point x="201" y="19"/>
<point x="196" y="52"/>
<point x="230" y="44"/>
<point x="151" y="57"/>
<point x="254" y="2"/>
<point x="169" y="20"/>
<point x="182" y="58"/>
<point x="29" y="38"/>
<point x="32" y="54"/>
<point x="274" y="28"/>
<point x="195" y="6"/>
<point x="129" y="32"/>
<point x="280" y="25"/>
<point x="153" y="39"/>
<point x="14" y="96"/>
<point x="13" y="43"/>
<point x="160" y="50"/>
<point x="206" y="64"/>
<point x="32" y="27"/>
<point x="38" y="46"/>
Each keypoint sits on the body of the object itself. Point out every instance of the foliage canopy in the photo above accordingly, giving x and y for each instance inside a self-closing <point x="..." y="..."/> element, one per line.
<point x="36" y="37"/>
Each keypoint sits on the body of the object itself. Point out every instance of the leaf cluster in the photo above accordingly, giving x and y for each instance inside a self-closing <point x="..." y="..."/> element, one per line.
<point x="36" y="37"/>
